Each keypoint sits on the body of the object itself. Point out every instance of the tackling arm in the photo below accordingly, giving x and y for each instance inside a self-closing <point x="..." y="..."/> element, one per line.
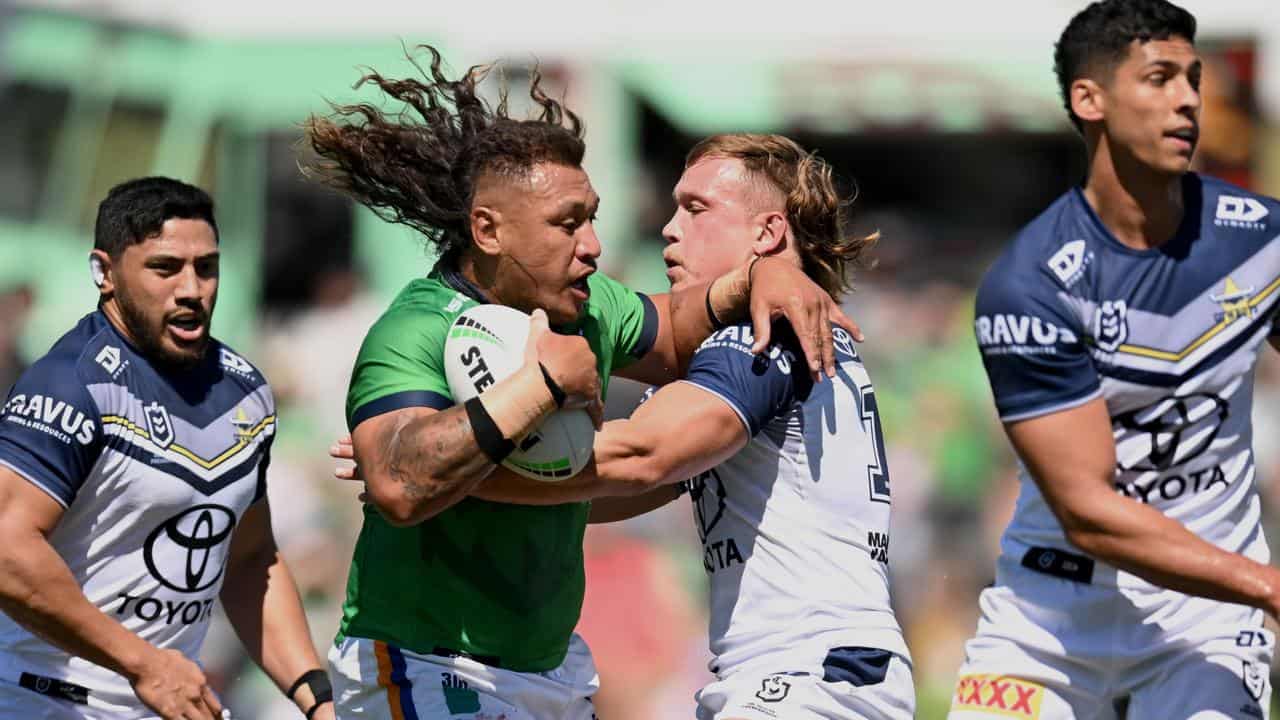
<point x="418" y="461"/>
<point x="640" y="456"/>
<point x="763" y="289"/>
<point x="1076" y="480"/>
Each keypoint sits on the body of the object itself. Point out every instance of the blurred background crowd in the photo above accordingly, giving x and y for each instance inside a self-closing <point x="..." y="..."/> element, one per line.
<point x="943" y="118"/>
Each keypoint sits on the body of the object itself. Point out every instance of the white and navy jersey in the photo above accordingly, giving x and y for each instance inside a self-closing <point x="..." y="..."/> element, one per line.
<point x="795" y="526"/>
<point x="154" y="471"/>
<point x="1167" y="336"/>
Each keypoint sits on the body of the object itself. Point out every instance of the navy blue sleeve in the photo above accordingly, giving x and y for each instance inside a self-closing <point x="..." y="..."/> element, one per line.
<point x="758" y="388"/>
<point x="1032" y="345"/>
<point x="50" y="429"/>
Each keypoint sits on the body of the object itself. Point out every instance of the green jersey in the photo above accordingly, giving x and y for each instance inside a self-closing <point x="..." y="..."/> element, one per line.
<point x="501" y="583"/>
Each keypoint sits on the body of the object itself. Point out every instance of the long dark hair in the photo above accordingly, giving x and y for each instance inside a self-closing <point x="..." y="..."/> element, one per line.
<point x="418" y="165"/>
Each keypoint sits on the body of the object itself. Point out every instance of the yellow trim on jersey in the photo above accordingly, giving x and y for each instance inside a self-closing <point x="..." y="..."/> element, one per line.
<point x="244" y="439"/>
<point x="1208" y="335"/>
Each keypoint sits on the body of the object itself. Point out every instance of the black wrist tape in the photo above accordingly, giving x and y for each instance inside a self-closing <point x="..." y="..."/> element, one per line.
<point x="557" y="392"/>
<point x="321" y="690"/>
<point x="488" y="436"/>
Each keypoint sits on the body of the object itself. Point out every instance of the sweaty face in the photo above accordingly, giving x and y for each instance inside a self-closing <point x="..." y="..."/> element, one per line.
<point x="163" y="290"/>
<point x="717" y="218"/>
<point x="549" y="243"/>
<point x="1152" y="104"/>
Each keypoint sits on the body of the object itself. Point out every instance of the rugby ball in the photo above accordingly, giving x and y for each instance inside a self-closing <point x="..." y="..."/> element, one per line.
<point x="486" y="345"/>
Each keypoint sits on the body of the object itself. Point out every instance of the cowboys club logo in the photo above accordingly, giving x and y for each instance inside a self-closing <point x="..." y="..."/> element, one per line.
<point x="773" y="689"/>
<point x="707" y="493"/>
<point x="1169" y="423"/>
<point x="159" y="426"/>
<point x="1111" y="325"/>
<point x="1255" y="680"/>
<point x="193" y="539"/>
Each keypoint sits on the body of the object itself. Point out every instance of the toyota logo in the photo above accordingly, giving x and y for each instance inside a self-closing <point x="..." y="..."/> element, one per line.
<point x="1168" y="424"/>
<point x="182" y="552"/>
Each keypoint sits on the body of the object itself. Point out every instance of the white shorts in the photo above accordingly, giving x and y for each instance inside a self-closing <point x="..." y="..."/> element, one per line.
<point x="862" y="685"/>
<point x="374" y="679"/>
<point x="1049" y="648"/>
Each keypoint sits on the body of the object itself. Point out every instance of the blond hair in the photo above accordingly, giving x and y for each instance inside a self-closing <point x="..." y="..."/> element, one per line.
<point x="814" y="209"/>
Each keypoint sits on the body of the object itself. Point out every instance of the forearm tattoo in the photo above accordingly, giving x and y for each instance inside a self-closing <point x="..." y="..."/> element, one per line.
<point x="433" y="455"/>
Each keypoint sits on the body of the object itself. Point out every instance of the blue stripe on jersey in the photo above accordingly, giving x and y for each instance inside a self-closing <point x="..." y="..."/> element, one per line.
<point x="1158" y="379"/>
<point x="399" y="401"/>
<point x="1053" y="314"/>
<point x="401" y="680"/>
<point x="648" y="331"/>
<point x="169" y="467"/>
<point x="54" y="424"/>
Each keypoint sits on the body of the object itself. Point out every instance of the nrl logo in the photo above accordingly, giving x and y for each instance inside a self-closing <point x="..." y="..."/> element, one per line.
<point x="159" y="425"/>
<point x="1234" y="302"/>
<point x="1111" y="325"/>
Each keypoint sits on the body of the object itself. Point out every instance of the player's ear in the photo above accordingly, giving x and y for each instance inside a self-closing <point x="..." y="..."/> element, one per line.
<point x="1087" y="99"/>
<point x="484" y="229"/>
<point x="102" y="272"/>
<point x="774" y="234"/>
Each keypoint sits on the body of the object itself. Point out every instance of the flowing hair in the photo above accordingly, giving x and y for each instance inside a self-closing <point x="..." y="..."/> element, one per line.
<point x="419" y="165"/>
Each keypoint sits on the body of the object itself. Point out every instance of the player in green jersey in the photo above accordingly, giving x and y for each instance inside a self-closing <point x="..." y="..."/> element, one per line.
<point x="455" y="605"/>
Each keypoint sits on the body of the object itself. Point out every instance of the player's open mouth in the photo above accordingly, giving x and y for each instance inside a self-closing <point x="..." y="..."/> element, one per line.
<point x="674" y="269"/>
<point x="1188" y="136"/>
<point x="185" y="328"/>
<point x="581" y="291"/>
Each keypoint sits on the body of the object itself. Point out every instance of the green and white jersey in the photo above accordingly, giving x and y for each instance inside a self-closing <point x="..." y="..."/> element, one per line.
<point x="501" y="583"/>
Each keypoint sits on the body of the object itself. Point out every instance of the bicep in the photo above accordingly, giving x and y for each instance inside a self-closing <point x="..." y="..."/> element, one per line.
<point x="24" y="506"/>
<point x="659" y="365"/>
<point x="253" y="535"/>
<point x="1071" y="453"/>
<point x="372" y="439"/>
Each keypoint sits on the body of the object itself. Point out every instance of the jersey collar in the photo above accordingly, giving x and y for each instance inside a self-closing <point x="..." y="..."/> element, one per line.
<point x="453" y="278"/>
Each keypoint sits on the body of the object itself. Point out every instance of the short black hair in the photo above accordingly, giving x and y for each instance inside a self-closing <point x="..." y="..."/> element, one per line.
<point x="1098" y="38"/>
<point x="136" y="209"/>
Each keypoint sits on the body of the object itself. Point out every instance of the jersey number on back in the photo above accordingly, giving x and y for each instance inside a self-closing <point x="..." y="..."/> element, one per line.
<point x="877" y="474"/>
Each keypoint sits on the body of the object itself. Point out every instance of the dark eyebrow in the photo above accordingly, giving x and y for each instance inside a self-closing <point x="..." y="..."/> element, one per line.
<point x="571" y="208"/>
<point x="576" y="208"/>
<point x="163" y="258"/>
<point x="168" y="258"/>
<point x="1168" y="64"/>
